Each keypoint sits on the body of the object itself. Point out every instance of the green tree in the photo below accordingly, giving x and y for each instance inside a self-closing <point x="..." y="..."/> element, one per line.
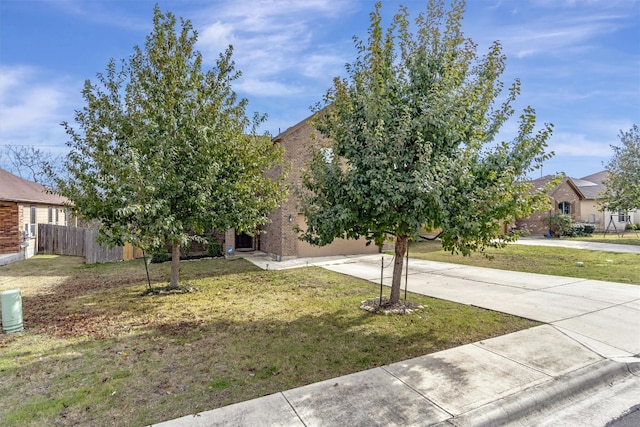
<point x="164" y="150"/>
<point x="412" y="131"/>
<point x="622" y="186"/>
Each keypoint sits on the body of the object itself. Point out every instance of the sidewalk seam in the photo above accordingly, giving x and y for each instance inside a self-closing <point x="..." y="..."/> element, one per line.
<point x="293" y="409"/>
<point x="418" y="392"/>
<point x="585" y="346"/>
<point x="548" y="395"/>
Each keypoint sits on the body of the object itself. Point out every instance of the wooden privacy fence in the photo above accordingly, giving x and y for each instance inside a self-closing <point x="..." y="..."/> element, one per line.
<point x="76" y="241"/>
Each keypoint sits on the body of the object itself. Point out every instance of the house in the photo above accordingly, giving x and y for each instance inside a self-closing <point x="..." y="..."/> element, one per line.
<point x="591" y="187"/>
<point x="279" y="238"/>
<point x="23" y="205"/>
<point x="579" y="198"/>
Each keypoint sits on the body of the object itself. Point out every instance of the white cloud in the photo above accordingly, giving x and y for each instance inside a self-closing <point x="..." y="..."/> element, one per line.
<point x="575" y="144"/>
<point x="110" y="13"/>
<point x="272" y="39"/>
<point x="217" y="36"/>
<point x="556" y="36"/>
<point x="319" y="66"/>
<point x="32" y="107"/>
<point x="268" y="88"/>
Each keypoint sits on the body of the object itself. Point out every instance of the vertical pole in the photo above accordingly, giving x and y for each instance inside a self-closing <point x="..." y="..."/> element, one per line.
<point x="146" y="266"/>
<point x="406" y="275"/>
<point x="381" y="278"/>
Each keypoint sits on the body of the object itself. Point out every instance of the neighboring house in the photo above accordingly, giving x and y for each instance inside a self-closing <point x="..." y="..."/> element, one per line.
<point x="591" y="187"/>
<point x="279" y="238"/>
<point x="23" y="205"/>
<point x="579" y="198"/>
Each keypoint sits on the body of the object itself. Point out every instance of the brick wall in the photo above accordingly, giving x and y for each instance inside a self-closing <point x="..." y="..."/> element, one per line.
<point x="279" y="236"/>
<point x="10" y="235"/>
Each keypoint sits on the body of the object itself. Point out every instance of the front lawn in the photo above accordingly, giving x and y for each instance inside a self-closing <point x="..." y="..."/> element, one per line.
<point x="557" y="261"/>
<point x="95" y="352"/>
<point x="628" y="238"/>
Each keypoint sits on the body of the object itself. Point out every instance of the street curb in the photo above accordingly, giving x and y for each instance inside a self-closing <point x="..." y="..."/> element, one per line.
<point x="544" y="397"/>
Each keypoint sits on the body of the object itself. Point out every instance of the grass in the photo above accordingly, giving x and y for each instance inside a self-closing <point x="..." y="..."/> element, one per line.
<point x="96" y="352"/>
<point x="628" y="238"/>
<point x="596" y="265"/>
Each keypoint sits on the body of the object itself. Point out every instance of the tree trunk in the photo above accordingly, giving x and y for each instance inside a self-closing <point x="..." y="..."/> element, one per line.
<point x="401" y="249"/>
<point x="175" y="265"/>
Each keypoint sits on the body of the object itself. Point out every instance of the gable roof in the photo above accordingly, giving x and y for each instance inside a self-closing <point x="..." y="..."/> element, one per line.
<point x="16" y="189"/>
<point x="539" y="183"/>
<point x="591" y="185"/>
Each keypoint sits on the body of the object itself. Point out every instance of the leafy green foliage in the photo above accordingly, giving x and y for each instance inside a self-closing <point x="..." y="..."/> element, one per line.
<point x="413" y="130"/>
<point x="164" y="150"/>
<point x="559" y="224"/>
<point x="622" y="186"/>
<point x="214" y="249"/>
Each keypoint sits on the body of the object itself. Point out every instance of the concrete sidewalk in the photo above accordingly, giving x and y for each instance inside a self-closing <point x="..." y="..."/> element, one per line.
<point x="592" y="338"/>
<point x="578" y="244"/>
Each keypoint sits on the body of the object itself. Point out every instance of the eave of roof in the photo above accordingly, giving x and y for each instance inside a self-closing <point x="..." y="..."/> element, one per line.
<point x="19" y="190"/>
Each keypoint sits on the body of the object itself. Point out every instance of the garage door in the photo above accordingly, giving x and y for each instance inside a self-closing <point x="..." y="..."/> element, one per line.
<point x="338" y="247"/>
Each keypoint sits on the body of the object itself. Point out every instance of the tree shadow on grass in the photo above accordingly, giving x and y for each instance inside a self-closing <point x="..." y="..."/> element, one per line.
<point x="174" y="368"/>
<point x="108" y="356"/>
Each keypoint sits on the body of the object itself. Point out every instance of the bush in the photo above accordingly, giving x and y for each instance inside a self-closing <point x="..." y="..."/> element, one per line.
<point x="580" y="230"/>
<point x="214" y="249"/>
<point x="160" y="256"/>
<point x="629" y="227"/>
<point x="559" y="224"/>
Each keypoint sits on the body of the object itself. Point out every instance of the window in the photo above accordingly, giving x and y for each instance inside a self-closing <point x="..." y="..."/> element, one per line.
<point x="33" y="221"/>
<point x="564" y="208"/>
<point x="57" y="215"/>
<point x="50" y="217"/>
<point x="623" y="216"/>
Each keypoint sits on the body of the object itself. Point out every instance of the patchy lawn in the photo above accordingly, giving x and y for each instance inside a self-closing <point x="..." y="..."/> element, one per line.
<point x="629" y="238"/>
<point x="597" y="265"/>
<point x="96" y="352"/>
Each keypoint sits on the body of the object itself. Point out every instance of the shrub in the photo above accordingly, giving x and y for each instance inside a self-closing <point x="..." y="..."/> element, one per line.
<point x="629" y="227"/>
<point x="580" y="230"/>
<point x="214" y="249"/>
<point x="160" y="256"/>
<point x="559" y="224"/>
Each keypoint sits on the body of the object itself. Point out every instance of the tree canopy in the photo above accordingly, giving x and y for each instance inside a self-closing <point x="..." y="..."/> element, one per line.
<point x="622" y="186"/>
<point x="163" y="150"/>
<point x="413" y="131"/>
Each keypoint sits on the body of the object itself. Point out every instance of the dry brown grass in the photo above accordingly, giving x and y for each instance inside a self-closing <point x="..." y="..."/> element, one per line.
<point x="96" y="352"/>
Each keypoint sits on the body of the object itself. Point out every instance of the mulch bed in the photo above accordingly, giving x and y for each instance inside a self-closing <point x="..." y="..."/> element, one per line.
<point x="401" y="307"/>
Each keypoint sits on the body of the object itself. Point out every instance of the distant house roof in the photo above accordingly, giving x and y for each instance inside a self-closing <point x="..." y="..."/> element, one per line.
<point x="539" y="183"/>
<point x="16" y="189"/>
<point x="591" y="186"/>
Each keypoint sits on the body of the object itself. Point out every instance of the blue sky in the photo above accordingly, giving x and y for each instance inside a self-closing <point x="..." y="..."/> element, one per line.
<point x="578" y="60"/>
